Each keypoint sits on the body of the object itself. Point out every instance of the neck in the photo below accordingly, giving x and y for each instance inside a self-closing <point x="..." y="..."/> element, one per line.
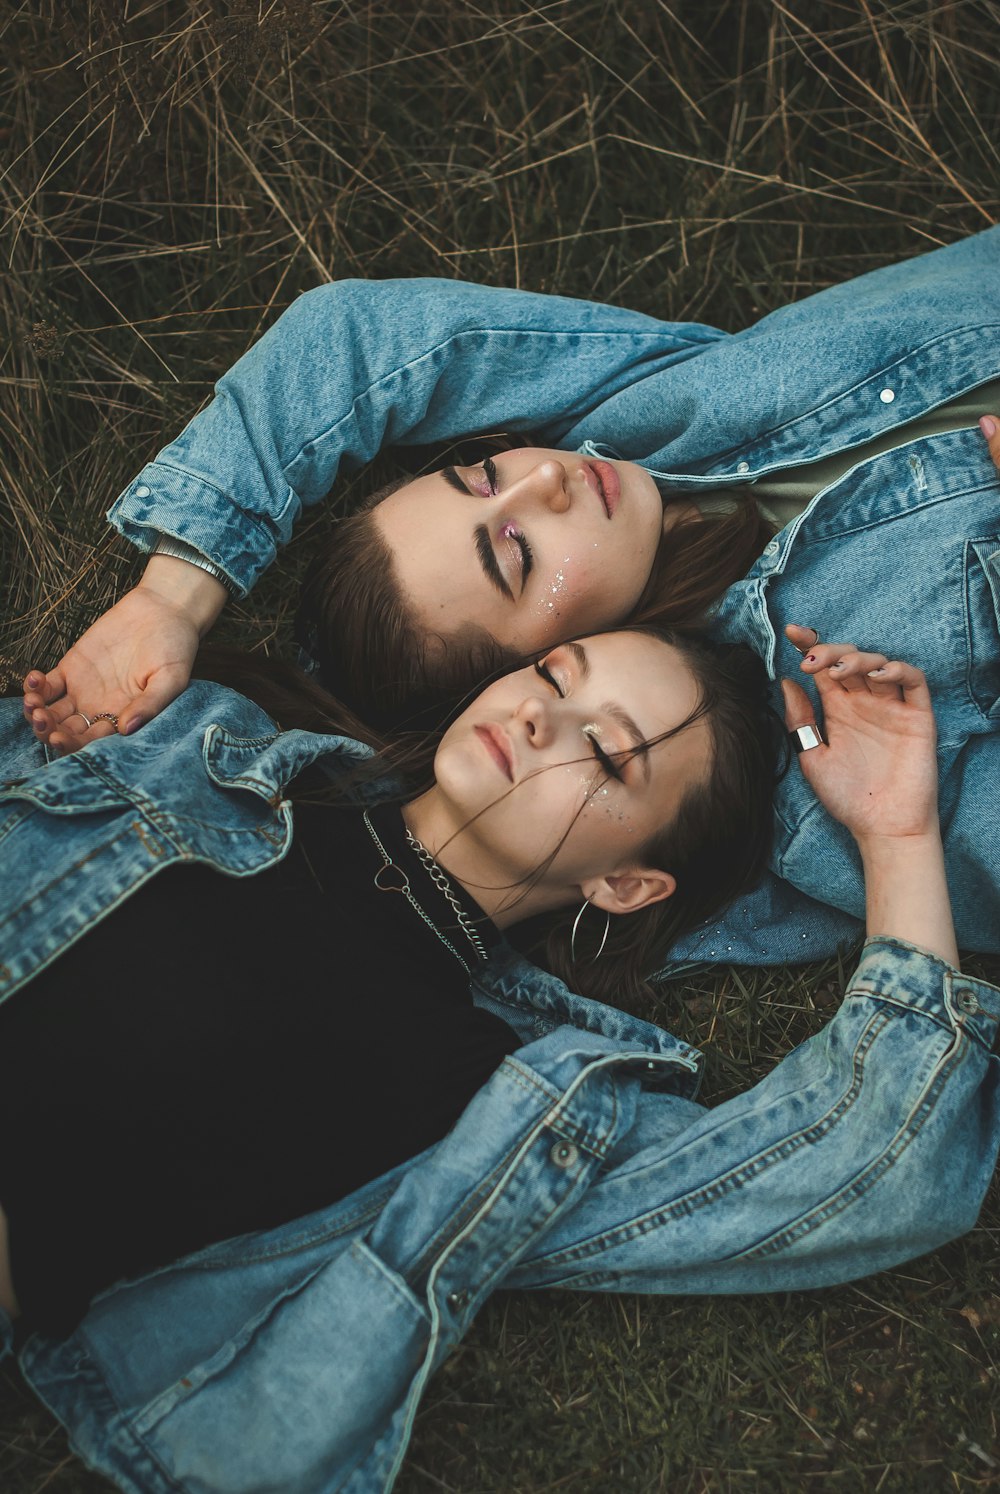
<point x="468" y="859"/>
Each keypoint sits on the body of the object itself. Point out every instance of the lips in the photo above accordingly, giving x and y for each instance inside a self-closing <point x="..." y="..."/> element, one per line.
<point x="607" y="484"/>
<point x="498" y="745"/>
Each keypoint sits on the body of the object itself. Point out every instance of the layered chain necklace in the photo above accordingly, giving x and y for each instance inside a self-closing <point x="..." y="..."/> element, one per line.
<point x="383" y="880"/>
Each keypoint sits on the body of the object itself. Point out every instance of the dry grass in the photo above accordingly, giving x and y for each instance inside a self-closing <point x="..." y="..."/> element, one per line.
<point x="173" y="174"/>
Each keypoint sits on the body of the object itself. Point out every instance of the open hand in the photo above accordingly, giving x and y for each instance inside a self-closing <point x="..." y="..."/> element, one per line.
<point x="135" y="659"/>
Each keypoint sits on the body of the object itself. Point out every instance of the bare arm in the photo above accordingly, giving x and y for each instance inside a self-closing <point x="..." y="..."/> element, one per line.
<point x="878" y="776"/>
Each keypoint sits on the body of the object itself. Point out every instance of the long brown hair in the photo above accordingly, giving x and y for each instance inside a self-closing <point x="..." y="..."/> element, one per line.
<point x="716" y="846"/>
<point x="698" y="558"/>
<point x="354" y="623"/>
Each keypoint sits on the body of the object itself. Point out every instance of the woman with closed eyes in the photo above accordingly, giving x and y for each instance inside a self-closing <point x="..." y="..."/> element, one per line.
<point x="281" y="1108"/>
<point x="826" y="463"/>
<point x="627" y="774"/>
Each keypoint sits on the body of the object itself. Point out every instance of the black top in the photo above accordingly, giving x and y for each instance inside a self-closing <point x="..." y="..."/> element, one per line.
<point x="224" y="1054"/>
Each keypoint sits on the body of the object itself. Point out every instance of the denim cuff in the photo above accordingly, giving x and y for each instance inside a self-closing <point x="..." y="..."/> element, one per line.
<point x="168" y="500"/>
<point x="907" y="975"/>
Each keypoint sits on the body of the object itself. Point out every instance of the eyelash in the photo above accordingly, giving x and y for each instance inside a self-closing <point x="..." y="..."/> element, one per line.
<point x="605" y="762"/>
<point x="490" y="468"/>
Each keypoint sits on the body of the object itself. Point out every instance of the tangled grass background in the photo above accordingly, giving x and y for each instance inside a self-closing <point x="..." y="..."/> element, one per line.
<point x="172" y="175"/>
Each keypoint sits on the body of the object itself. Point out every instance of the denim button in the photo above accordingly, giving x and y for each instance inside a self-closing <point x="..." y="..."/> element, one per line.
<point x="887" y="396"/>
<point x="743" y="467"/>
<point x="564" y="1154"/>
<point x="142" y="491"/>
<point x="457" y="1300"/>
<point x="967" y="1001"/>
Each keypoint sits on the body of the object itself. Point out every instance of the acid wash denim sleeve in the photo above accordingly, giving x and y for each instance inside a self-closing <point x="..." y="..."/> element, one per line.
<point x="296" y="1359"/>
<point x="358" y="364"/>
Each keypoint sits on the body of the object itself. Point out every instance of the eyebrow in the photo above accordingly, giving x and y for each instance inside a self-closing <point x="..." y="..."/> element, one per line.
<point x="488" y="560"/>
<point x="617" y="713"/>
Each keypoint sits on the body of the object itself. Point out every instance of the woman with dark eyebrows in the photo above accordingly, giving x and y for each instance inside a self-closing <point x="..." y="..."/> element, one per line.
<point x="825" y="463"/>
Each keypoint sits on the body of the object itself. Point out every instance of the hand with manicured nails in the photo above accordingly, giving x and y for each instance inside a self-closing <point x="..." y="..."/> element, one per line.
<point x="877" y="774"/>
<point x="134" y="661"/>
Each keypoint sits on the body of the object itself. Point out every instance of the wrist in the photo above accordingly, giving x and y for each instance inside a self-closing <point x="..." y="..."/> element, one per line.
<point x="186" y="587"/>
<point x="881" y="850"/>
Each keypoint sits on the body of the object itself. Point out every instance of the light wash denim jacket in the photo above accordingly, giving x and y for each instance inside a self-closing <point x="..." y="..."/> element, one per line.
<point x="902" y="554"/>
<point x="295" y="1360"/>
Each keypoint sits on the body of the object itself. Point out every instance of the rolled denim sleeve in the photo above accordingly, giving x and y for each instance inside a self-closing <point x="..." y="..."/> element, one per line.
<point x="357" y="364"/>
<point x="873" y="1142"/>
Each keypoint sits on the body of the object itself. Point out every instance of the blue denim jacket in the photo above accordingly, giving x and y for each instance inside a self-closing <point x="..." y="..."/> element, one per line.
<point x="902" y="554"/>
<point x="295" y="1359"/>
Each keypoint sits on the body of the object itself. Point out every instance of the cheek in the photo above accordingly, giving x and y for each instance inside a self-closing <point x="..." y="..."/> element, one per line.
<point x="573" y="589"/>
<point x="594" y="817"/>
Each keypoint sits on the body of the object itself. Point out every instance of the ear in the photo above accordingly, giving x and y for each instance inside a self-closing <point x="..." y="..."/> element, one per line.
<point x="628" y="892"/>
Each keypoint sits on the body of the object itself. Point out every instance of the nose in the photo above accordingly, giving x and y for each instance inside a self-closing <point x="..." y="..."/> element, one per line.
<point x="537" y="717"/>
<point x="546" y="485"/>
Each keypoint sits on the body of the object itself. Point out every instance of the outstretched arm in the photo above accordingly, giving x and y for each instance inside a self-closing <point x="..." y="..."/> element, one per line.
<point x="873" y="1141"/>
<point x="348" y="368"/>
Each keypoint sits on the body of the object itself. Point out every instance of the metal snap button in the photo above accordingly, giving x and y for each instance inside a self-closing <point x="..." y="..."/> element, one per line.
<point x="142" y="491"/>
<point x="564" y="1154"/>
<point x="457" y="1300"/>
<point x="743" y="466"/>
<point x="771" y="548"/>
<point x="887" y="396"/>
<point x="967" y="1001"/>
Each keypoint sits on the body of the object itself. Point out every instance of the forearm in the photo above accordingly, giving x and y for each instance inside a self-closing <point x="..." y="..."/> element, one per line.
<point x="906" y="893"/>
<point x="352" y="366"/>
<point x="185" y="587"/>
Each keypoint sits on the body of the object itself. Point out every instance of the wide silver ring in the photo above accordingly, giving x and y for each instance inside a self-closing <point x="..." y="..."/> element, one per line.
<point x="804" y="738"/>
<point x="816" y="640"/>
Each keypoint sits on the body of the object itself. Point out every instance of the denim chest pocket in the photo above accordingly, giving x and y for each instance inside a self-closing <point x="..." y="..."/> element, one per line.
<point x="982" y="622"/>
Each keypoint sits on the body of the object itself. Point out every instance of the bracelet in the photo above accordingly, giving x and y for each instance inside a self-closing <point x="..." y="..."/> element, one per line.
<point x="167" y="545"/>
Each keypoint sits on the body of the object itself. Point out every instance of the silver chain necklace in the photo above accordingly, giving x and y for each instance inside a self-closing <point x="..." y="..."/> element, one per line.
<point x="440" y="881"/>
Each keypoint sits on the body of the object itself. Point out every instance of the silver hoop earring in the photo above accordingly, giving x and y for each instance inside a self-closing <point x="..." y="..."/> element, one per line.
<point x="576" y="925"/>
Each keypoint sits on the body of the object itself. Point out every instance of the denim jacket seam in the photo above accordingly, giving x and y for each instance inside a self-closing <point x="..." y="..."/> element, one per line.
<point x="552" y="1120"/>
<point x="882" y="372"/>
<point x="863" y="1183"/>
<point x="192" y="476"/>
<point x="736" y="1177"/>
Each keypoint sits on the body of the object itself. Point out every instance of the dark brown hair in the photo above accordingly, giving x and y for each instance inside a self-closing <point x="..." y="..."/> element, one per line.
<point x="697" y="560"/>
<point x="354" y="622"/>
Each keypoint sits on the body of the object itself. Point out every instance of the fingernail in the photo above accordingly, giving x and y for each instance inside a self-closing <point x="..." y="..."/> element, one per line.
<point x="810" y="658"/>
<point x="33" y="681"/>
<point x="132" y="726"/>
<point x="988" y="426"/>
<point x="879" y="670"/>
<point x="839" y="664"/>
